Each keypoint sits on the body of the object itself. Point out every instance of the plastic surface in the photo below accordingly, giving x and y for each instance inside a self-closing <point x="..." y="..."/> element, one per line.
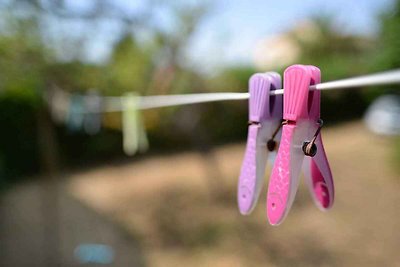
<point x="265" y="113"/>
<point x="133" y="131"/>
<point x="302" y="110"/>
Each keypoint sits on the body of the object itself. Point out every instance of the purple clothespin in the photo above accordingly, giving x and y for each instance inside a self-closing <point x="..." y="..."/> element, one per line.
<point x="265" y="116"/>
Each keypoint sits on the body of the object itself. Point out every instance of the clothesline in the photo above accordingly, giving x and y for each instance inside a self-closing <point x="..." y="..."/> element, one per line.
<point x="84" y="111"/>
<point x="114" y="103"/>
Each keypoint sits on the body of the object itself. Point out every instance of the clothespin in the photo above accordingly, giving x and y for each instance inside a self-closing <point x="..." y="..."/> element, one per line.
<point x="75" y="113"/>
<point x="301" y="146"/>
<point x="92" y="120"/>
<point x="59" y="104"/>
<point x="265" y="115"/>
<point x="134" y="134"/>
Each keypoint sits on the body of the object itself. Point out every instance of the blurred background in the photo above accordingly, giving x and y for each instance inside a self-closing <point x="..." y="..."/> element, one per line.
<point x="70" y="197"/>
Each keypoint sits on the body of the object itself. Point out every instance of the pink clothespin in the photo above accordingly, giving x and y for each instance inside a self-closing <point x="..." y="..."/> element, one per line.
<point x="301" y="146"/>
<point x="265" y="116"/>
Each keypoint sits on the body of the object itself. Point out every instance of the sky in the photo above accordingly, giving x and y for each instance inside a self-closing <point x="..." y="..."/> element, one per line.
<point x="229" y="34"/>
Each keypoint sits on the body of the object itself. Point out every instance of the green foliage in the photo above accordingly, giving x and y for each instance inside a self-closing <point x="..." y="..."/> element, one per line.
<point x="23" y="63"/>
<point x="18" y="143"/>
<point x="76" y="76"/>
<point x="232" y="79"/>
<point x="130" y="67"/>
<point x="22" y="60"/>
<point x="156" y="66"/>
<point x="389" y="39"/>
<point x="338" y="56"/>
<point x="388" y="54"/>
<point x="385" y="53"/>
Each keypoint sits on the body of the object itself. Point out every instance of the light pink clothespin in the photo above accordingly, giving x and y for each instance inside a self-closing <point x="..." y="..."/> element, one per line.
<point x="265" y="116"/>
<point x="301" y="146"/>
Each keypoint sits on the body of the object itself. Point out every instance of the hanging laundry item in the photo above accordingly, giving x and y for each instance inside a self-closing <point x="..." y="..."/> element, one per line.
<point x="59" y="105"/>
<point x="265" y="117"/>
<point x="383" y="115"/>
<point x="301" y="146"/>
<point x="93" y="116"/>
<point x="133" y="130"/>
<point x="76" y="113"/>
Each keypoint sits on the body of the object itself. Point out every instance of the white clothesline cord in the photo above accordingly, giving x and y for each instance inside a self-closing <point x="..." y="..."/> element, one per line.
<point x="381" y="78"/>
<point x="114" y="103"/>
<point x="148" y="102"/>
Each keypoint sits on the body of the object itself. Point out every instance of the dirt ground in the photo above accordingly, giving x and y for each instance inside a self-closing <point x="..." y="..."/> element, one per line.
<point x="183" y="208"/>
<point x="36" y="232"/>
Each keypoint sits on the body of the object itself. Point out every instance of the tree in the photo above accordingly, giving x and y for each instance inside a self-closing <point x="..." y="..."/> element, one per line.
<point x="389" y="39"/>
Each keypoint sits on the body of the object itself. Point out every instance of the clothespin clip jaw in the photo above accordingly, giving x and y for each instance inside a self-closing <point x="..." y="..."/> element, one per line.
<point x="316" y="166"/>
<point x="265" y="113"/>
<point x="301" y="146"/>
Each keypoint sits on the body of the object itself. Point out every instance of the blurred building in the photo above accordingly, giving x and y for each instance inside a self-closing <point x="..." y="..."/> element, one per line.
<point x="281" y="50"/>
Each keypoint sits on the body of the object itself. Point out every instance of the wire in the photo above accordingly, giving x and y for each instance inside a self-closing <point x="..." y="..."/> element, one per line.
<point x="147" y="102"/>
<point x="387" y="77"/>
<point x="114" y="103"/>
